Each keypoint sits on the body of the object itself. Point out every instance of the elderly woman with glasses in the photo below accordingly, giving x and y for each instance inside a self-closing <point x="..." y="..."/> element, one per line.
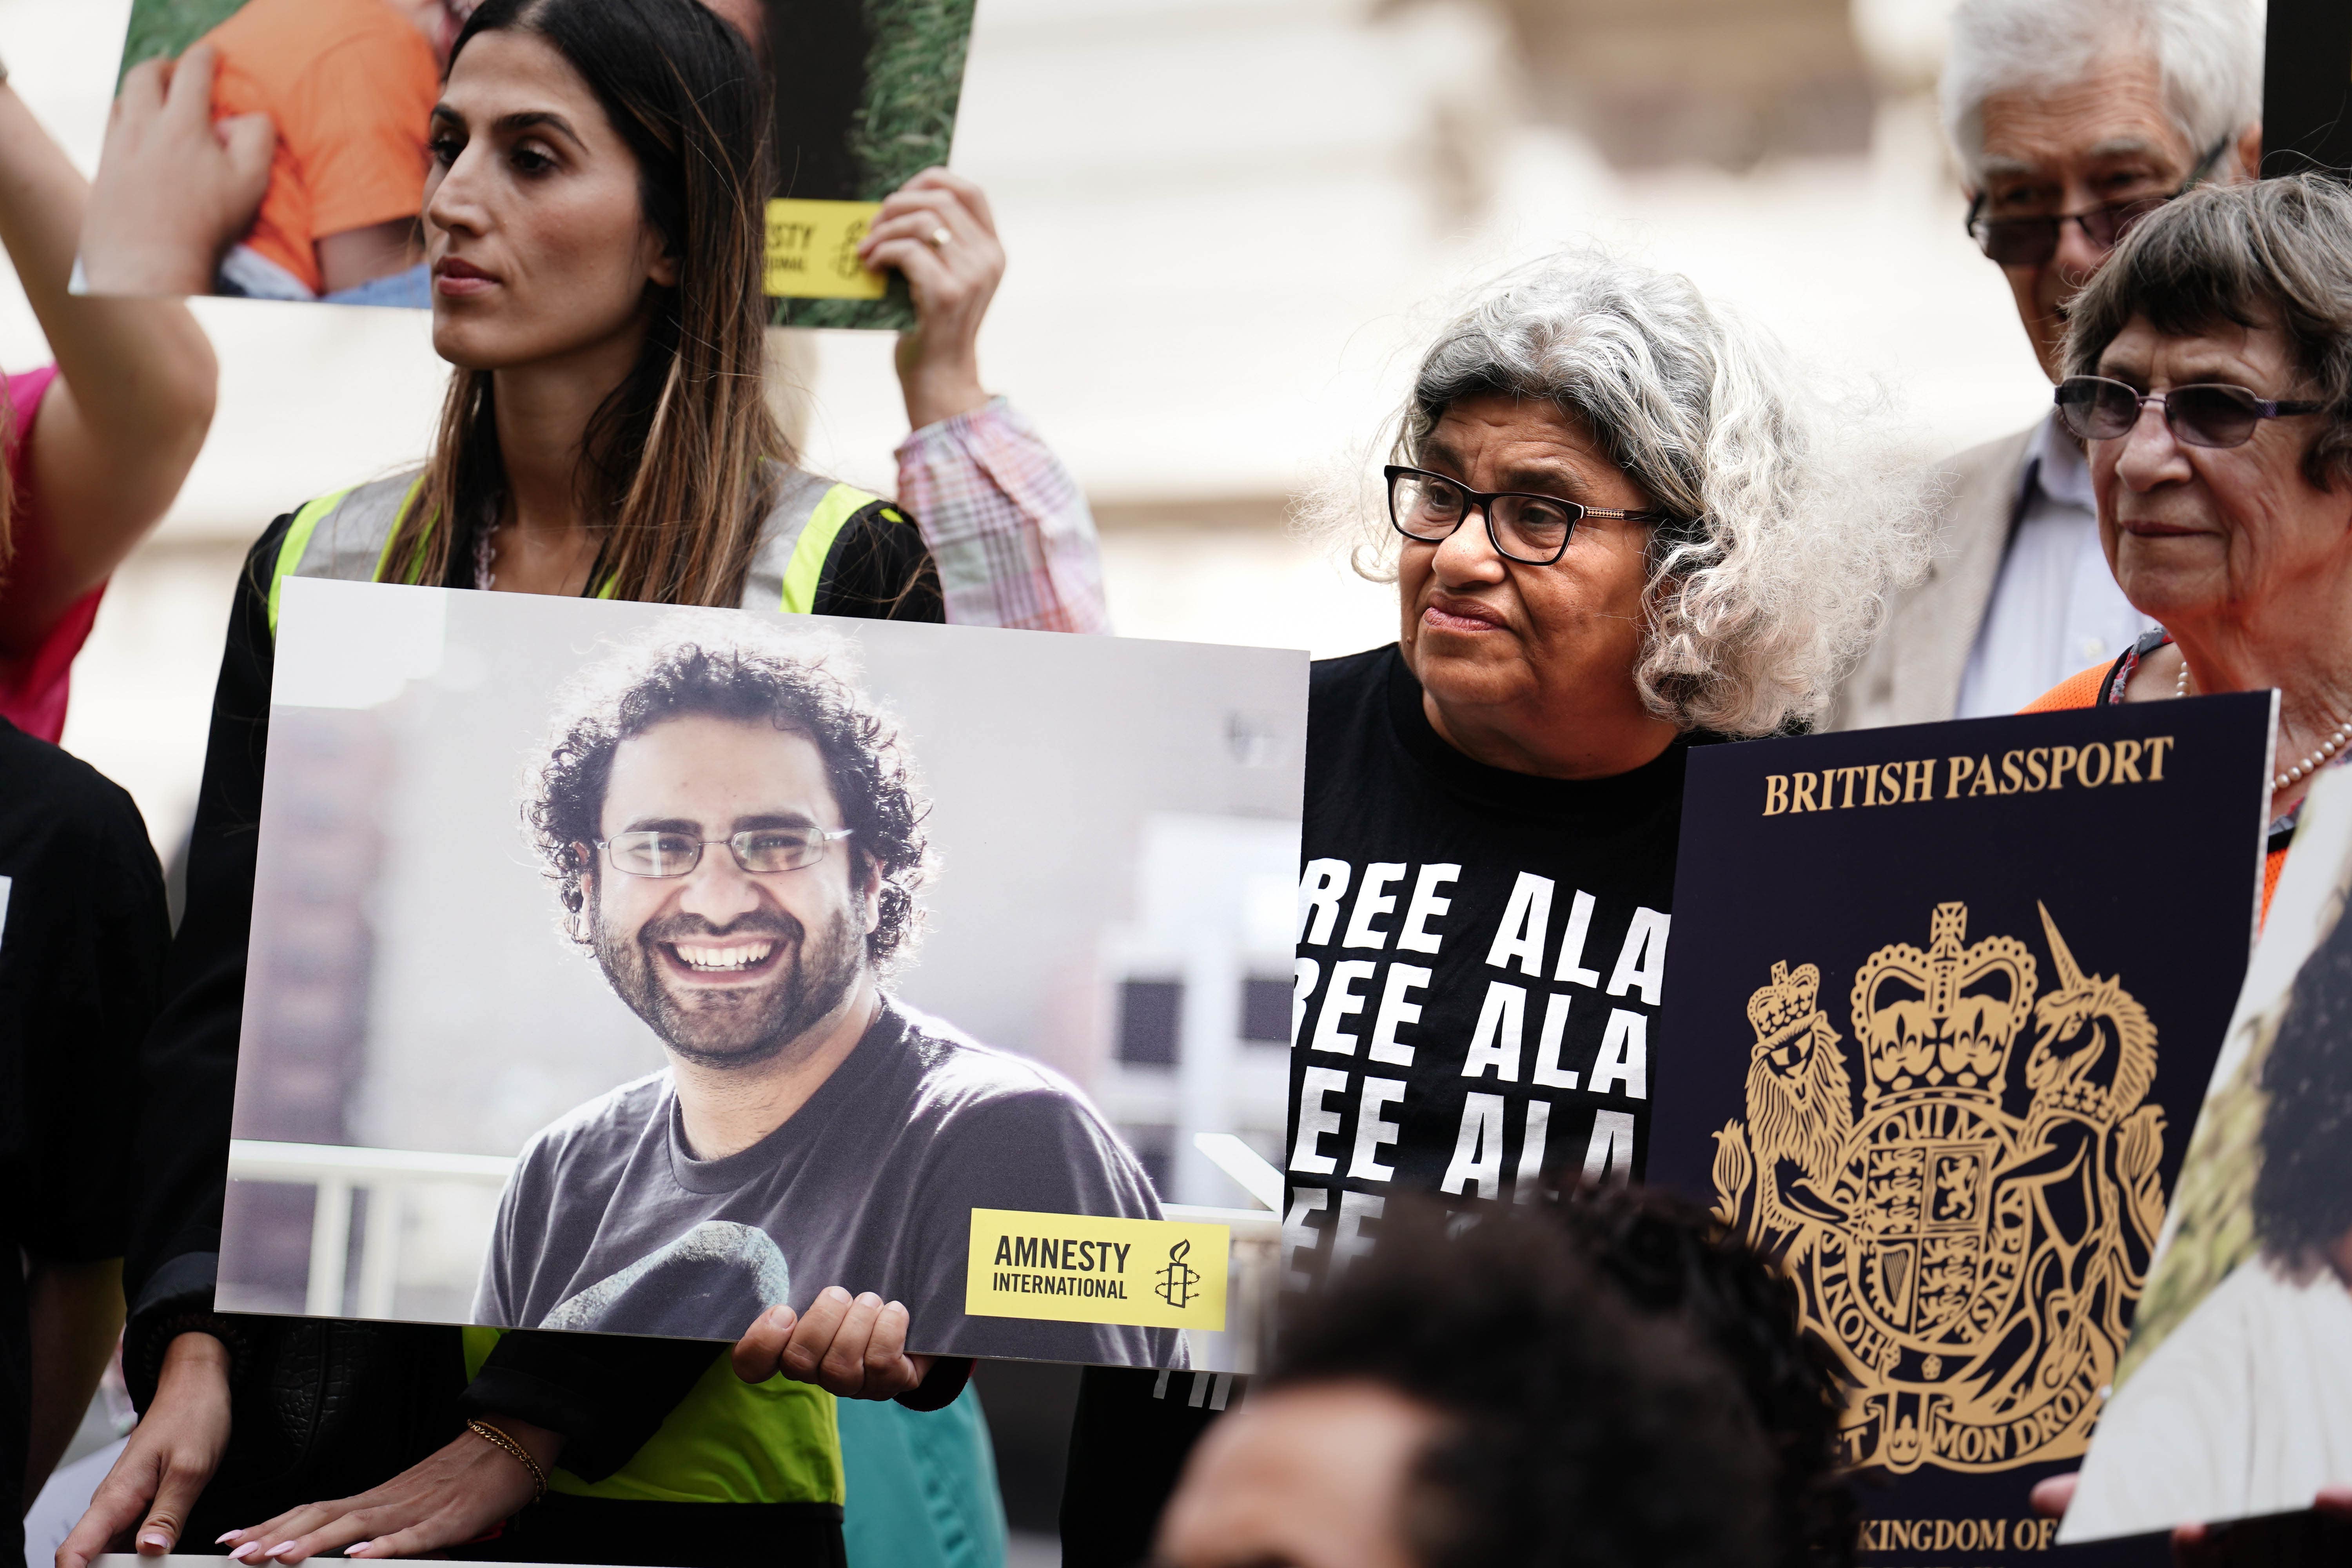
<point x="1619" y="525"/>
<point x="2211" y="384"/>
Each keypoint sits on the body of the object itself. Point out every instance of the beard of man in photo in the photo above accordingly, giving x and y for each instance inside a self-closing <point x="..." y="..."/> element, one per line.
<point x="735" y="1028"/>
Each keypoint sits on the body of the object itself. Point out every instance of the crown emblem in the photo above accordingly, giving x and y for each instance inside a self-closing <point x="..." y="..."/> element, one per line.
<point x="1788" y="1001"/>
<point x="1947" y="1017"/>
<point x="1915" y="1222"/>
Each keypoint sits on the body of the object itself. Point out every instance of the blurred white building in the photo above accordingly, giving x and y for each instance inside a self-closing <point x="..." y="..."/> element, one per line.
<point x="1230" y="222"/>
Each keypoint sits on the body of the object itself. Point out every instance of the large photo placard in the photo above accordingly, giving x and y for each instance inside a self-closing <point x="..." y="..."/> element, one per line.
<point x="1942" y="1002"/>
<point x="632" y="969"/>
<point x="863" y="95"/>
<point x="2235" y="1396"/>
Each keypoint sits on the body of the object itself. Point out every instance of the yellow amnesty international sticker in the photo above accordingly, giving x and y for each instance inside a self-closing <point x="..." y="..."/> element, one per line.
<point x="813" y="250"/>
<point x="1074" y="1268"/>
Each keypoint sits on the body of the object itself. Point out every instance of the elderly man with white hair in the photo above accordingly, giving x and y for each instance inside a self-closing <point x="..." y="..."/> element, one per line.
<point x="2071" y="120"/>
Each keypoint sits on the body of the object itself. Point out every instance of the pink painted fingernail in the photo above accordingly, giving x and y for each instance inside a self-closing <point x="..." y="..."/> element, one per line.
<point x="160" y="1543"/>
<point x="225" y="1537"/>
<point x="356" y="1547"/>
<point x="244" y="1552"/>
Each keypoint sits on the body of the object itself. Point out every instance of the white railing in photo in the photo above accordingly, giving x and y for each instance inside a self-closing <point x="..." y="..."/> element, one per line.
<point x="338" y="1175"/>
<point x="1254" y="1248"/>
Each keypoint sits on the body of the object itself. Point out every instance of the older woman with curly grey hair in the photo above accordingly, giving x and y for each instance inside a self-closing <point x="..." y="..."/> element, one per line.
<point x="1619" y="524"/>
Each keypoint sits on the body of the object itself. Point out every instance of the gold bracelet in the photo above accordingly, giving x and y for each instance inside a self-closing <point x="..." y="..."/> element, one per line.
<point x="491" y="1434"/>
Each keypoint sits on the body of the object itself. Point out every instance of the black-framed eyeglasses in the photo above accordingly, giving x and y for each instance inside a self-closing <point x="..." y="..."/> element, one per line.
<point x="660" y="852"/>
<point x="2031" y="241"/>
<point x="2207" y="414"/>
<point x="1532" y="530"/>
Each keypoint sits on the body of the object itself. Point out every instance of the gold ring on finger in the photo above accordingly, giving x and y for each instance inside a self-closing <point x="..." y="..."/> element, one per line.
<point x="939" y="238"/>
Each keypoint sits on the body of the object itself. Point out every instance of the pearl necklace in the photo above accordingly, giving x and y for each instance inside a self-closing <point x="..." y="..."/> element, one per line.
<point x="2302" y="769"/>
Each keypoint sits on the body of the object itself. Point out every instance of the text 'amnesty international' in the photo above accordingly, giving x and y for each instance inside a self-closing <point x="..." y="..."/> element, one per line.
<point x="1150" y="1273"/>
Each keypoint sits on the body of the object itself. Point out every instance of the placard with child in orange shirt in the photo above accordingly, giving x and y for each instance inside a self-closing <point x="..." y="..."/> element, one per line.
<point x="348" y="87"/>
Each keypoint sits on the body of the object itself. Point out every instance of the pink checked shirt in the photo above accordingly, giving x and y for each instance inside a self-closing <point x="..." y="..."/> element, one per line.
<point x="1007" y="523"/>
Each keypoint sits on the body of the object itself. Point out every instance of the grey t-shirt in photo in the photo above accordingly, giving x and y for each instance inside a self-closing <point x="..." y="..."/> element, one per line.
<point x="610" y="1223"/>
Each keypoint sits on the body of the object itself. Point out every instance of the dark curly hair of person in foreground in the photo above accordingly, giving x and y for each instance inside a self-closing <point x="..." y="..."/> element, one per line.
<point x="1673" y="1258"/>
<point x="1577" y="1428"/>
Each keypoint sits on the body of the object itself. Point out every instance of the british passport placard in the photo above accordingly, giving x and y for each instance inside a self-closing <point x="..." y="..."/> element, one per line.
<point x="1942" y="1003"/>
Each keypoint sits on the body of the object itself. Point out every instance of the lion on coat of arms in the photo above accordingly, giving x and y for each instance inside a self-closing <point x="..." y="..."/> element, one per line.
<point x="1970" y="1259"/>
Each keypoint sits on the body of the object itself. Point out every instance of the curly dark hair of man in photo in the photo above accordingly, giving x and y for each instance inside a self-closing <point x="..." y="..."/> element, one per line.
<point x="1572" y="1427"/>
<point x="1672" y="1258"/>
<point x="739" y="681"/>
<point x="2303" y="1194"/>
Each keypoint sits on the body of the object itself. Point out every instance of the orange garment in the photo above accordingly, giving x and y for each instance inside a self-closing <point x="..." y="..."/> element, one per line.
<point x="350" y="86"/>
<point x="2074" y="691"/>
<point x="2083" y="692"/>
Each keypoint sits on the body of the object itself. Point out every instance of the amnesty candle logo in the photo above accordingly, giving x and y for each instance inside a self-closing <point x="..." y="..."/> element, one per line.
<point x="1970" y="1260"/>
<point x="1179" y="1283"/>
<point x="813" y="250"/>
<point x="1147" y="1273"/>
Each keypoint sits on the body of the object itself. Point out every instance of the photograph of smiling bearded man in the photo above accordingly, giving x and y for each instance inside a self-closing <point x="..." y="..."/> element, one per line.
<point x="737" y="838"/>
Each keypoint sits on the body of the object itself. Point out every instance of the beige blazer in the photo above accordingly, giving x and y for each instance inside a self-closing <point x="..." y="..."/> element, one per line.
<point x="1912" y="676"/>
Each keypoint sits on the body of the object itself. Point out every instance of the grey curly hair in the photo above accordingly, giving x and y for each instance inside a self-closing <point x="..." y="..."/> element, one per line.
<point x="1794" y="516"/>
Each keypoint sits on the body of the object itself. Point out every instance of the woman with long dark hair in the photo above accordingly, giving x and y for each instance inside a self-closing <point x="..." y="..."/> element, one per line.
<point x="593" y="237"/>
<point x="593" y="229"/>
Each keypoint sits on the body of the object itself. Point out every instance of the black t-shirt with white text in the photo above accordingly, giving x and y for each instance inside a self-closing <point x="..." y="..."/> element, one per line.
<point x="1480" y="961"/>
<point x="1478" y="978"/>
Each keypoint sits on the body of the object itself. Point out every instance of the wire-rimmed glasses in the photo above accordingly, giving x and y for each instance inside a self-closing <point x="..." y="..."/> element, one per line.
<point x="2032" y="241"/>
<point x="2204" y="414"/>
<point x="664" y="852"/>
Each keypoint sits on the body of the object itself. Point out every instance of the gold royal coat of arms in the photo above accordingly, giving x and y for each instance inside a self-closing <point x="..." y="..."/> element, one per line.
<point x="1971" y="1265"/>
